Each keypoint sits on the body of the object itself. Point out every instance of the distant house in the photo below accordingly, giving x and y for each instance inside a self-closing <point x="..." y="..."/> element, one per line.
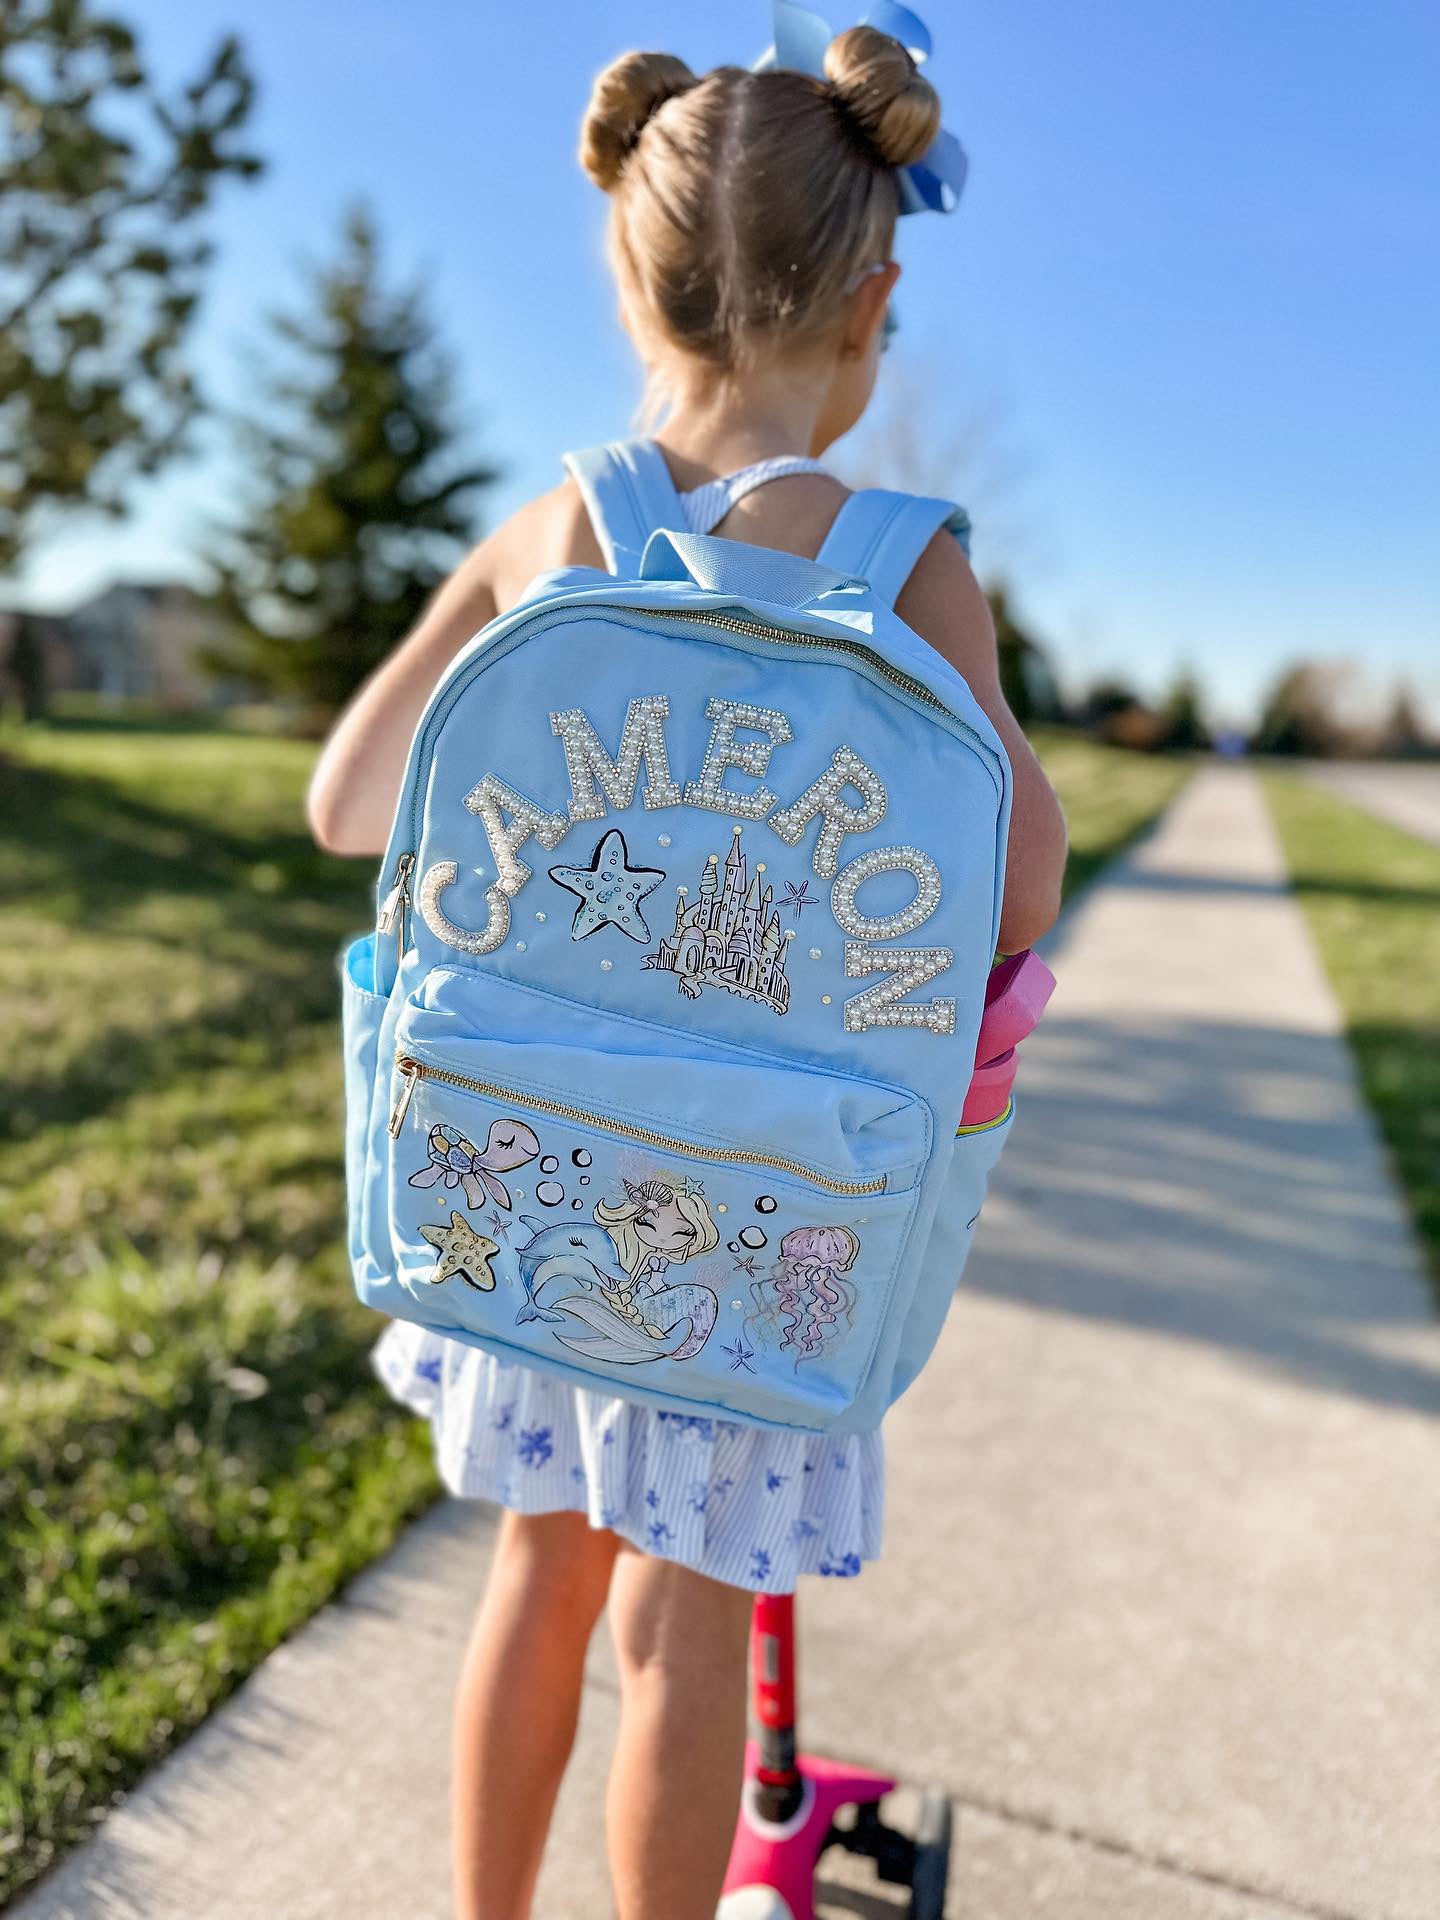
<point x="143" y="641"/>
<point x="139" y="641"/>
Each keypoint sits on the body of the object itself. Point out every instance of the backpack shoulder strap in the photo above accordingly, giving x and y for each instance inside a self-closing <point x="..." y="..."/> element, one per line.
<point x="628" y="493"/>
<point x="880" y="536"/>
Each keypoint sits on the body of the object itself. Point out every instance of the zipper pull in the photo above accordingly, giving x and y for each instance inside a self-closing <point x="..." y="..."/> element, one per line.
<point x="411" y="1071"/>
<point x="392" y="913"/>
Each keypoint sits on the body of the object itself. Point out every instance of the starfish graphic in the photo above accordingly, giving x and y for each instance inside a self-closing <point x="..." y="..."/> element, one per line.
<point x="747" y="1265"/>
<point x="740" y="1356"/>
<point x="609" y="890"/>
<point x="690" y="1187"/>
<point x="799" y="897"/>
<point x="463" y="1252"/>
<point x="502" y="1227"/>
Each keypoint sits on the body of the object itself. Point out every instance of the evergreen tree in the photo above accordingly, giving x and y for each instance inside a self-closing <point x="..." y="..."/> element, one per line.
<point x="359" y="508"/>
<point x="1182" y="716"/>
<point x="1106" y="699"/>
<point x="1026" y="677"/>
<point x="103" y="183"/>
<point x="1403" y="734"/>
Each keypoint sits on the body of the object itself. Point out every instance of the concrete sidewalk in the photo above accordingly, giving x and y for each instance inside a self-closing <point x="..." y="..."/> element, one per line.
<point x="1161" y="1605"/>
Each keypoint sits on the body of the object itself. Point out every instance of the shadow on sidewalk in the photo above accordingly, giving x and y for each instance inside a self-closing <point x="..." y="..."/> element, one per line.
<point x="1216" y="1183"/>
<point x="1135" y="879"/>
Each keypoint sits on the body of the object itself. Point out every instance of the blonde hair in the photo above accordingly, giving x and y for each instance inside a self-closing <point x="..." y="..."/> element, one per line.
<point x="619" y="1222"/>
<point x="744" y="205"/>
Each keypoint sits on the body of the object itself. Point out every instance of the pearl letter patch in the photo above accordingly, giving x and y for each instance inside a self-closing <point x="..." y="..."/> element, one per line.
<point x="590" y="766"/>
<point x="847" y="769"/>
<point x="750" y="756"/>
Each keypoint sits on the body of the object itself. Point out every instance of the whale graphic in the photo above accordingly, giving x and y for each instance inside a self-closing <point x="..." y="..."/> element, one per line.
<point x="577" y="1252"/>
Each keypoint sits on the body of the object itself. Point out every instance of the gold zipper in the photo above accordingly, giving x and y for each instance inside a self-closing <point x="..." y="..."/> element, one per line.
<point x="392" y="912"/>
<point x="778" y="637"/>
<point x="414" y="1071"/>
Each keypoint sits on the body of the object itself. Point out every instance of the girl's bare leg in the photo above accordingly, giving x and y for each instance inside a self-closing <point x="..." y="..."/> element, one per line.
<point x="518" y="1703"/>
<point x="675" y="1783"/>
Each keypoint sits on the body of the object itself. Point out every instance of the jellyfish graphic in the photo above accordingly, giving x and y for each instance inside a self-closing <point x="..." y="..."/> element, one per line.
<point x="808" y="1301"/>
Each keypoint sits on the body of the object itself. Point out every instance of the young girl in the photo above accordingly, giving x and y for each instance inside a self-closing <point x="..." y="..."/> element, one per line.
<point x="752" y="220"/>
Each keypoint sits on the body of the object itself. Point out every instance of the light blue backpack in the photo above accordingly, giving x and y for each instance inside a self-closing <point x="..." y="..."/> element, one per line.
<point x="656" y="1060"/>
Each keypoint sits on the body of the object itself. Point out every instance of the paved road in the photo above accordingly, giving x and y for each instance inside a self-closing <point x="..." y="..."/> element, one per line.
<point x="1407" y="796"/>
<point x="1162" y="1597"/>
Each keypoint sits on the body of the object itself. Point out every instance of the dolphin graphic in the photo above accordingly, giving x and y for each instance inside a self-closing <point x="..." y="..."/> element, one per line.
<point x="577" y="1251"/>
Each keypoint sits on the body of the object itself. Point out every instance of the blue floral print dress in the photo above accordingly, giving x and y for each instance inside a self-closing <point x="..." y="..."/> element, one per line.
<point x="751" y="1506"/>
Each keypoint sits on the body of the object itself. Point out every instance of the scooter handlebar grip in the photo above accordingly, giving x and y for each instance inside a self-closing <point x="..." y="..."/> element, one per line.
<point x="1015" y="997"/>
<point x="989" y="1092"/>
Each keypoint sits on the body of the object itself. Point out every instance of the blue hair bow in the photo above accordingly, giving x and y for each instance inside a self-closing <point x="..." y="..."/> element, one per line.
<point x="931" y="184"/>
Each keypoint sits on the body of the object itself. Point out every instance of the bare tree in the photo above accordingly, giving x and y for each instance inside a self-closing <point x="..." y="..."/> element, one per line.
<point x="925" y="434"/>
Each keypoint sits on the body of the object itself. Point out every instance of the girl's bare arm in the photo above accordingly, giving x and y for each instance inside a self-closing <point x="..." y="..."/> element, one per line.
<point x="356" y="783"/>
<point x="942" y="601"/>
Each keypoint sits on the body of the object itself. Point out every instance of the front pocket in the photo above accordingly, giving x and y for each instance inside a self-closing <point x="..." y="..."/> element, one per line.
<point x="709" y="1229"/>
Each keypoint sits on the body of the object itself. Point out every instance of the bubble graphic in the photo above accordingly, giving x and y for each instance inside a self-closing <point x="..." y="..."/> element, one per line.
<point x="577" y="1203"/>
<point x="580" y="1157"/>
<point x="752" y="1237"/>
<point x="766" y="1203"/>
<point x="584" y="1179"/>
<point x="549" y="1193"/>
<point x="732" y="1246"/>
<point x="549" y="1164"/>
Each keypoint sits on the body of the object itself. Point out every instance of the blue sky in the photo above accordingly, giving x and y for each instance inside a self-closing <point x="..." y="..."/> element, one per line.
<point x="1192" y="293"/>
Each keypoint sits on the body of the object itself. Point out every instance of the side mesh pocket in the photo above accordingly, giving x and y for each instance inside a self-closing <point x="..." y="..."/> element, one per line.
<point x="362" y="1011"/>
<point x="972" y="1161"/>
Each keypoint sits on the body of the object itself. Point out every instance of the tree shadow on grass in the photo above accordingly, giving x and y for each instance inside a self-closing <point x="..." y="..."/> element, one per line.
<point x="97" y="848"/>
<point x="89" y="855"/>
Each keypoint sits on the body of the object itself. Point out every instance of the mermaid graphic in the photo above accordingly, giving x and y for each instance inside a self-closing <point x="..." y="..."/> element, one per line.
<point x="809" y="1297"/>
<point x="637" y="1314"/>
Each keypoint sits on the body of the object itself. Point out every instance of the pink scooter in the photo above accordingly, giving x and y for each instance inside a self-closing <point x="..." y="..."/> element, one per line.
<point x="793" y="1805"/>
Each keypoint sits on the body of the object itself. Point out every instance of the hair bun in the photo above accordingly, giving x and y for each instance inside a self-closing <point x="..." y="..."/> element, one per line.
<point x="625" y="95"/>
<point x="879" y="86"/>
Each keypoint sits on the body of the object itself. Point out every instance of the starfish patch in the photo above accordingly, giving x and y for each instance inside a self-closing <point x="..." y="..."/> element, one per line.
<point x="609" y="890"/>
<point x="462" y="1251"/>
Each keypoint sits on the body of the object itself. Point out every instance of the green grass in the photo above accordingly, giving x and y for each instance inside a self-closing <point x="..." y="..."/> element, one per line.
<point x="194" y="1455"/>
<point x="1109" y="796"/>
<point x="1372" y="897"/>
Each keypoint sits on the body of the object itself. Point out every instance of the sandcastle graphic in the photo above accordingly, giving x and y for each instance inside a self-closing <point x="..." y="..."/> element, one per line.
<point x="729" y="936"/>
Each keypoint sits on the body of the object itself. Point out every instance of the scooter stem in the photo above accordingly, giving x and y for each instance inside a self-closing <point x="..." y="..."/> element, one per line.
<point x="780" y="1788"/>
